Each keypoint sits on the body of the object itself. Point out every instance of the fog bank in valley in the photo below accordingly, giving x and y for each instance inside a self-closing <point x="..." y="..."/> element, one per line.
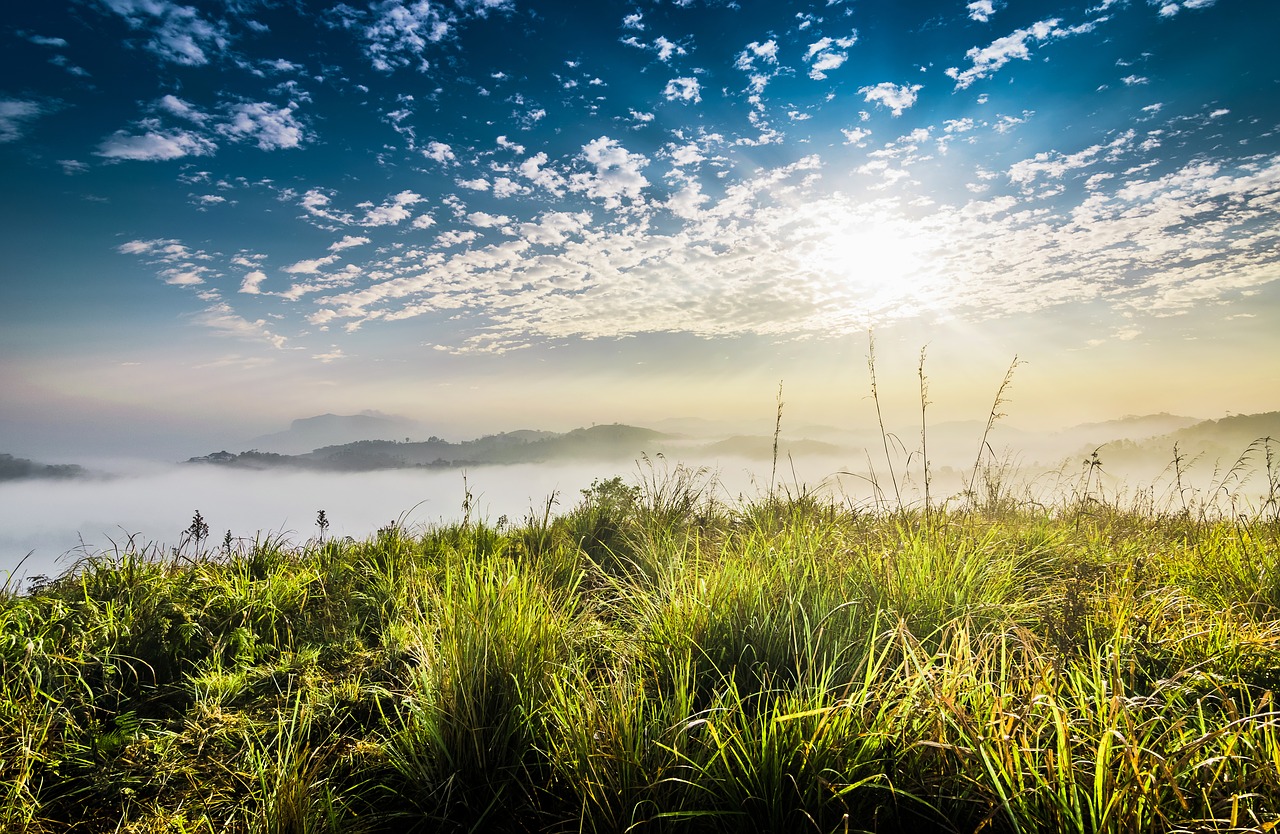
<point x="1167" y="461"/>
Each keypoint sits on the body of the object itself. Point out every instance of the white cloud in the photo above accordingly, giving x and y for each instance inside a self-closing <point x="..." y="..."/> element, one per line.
<point x="1054" y="164"/>
<point x="273" y="128"/>
<point x="1005" y="123"/>
<point x="896" y="97"/>
<point x="178" y="33"/>
<point x="506" y="144"/>
<point x="481" y="8"/>
<point x="155" y="145"/>
<point x="536" y="171"/>
<point x="667" y="48"/>
<point x="477" y="184"/>
<point x="767" y="52"/>
<point x="778" y="256"/>
<point x="825" y="54"/>
<point x="182" y="109"/>
<point x="687" y="154"/>
<point x="1169" y="8"/>
<point x="334" y="354"/>
<point x="423" y="221"/>
<point x="348" y="242"/>
<point x="633" y="21"/>
<point x="504" y="187"/>
<point x="440" y="152"/>
<point x="14" y="116"/>
<point x="223" y="319"/>
<point x="400" y="33"/>
<point x="554" y="228"/>
<point x="982" y="10"/>
<point x="683" y="89"/>
<point x="616" y="176"/>
<point x="455" y="238"/>
<point x="310" y="267"/>
<point x="1135" y="80"/>
<point x="989" y="59"/>
<point x="687" y="202"/>
<point x="484" y="220"/>
<point x="317" y="204"/>
<point x="855" y="135"/>
<point x="392" y="211"/>
<point x="252" y="282"/>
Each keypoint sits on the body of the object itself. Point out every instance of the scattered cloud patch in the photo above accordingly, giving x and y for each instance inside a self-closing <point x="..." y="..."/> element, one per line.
<point x="683" y="89"/>
<point x="15" y="115"/>
<point x="224" y="320"/>
<point x="827" y="54"/>
<point x="40" y="40"/>
<point x="484" y="220"/>
<point x="440" y="152"/>
<point x="393" y="211"/>
<point x="348" y="242"/>
<point x="317" y="204"/>
<point x="896" y="97"/>
<point x="982" y="10"/>
<point x="536" y="170"/>
<point x="400" y="33"/>
<point x="766" y="52"/>
<point x="310" y="267"/>
<point x="1169" y="8"/>
<point x="990" y="59"/>
<point x="154" y="146"/>
<point x="855" y="136"/>
<point x="252" y="282"/>
<point x="271" y="128"/>
<point x="666" y="49"/>
<point x="333" y="355"/>
<point x="616" y="176"/>
<point x="178" y="33"/>
<point x="175" y="106"/>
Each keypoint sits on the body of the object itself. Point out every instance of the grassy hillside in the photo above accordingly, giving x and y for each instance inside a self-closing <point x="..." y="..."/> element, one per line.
<point x="653" y="660"/>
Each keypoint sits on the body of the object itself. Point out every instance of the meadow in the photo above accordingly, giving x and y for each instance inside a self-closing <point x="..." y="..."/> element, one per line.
<point x="655" y="658"/>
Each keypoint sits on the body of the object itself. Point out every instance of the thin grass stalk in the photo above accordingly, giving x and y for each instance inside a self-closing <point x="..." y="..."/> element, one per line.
<point x="875" y="396"/>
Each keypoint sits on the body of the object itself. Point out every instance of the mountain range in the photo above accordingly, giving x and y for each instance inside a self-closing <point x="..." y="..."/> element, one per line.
<point x="372" y="441"/>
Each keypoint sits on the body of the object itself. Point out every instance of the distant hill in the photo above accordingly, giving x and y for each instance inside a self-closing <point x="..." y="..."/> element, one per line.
<point x="1137" y="443"/>
<point x="761" y="448"/>
<point x="1207" y="444"/>
<point x="13" y="469"/>
<point x="612" y="442"/>
<point x="1136" y="427"/>
<point x="310" y="433"/>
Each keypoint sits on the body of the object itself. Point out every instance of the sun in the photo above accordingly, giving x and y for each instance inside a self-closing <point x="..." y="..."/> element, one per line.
<point x="875" y="265"/>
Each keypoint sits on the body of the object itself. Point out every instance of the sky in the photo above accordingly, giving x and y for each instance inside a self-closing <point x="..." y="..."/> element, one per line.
<point x="216" y="217"/>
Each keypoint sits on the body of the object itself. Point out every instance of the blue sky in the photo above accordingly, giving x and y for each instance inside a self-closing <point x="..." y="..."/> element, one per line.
<point x="490" y="214"/>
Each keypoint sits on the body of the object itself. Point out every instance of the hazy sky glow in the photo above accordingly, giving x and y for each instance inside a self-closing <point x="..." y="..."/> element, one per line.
<point x="499" y="213"/>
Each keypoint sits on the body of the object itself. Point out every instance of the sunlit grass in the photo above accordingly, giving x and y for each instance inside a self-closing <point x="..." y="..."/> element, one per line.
<point x="657" y="658"/>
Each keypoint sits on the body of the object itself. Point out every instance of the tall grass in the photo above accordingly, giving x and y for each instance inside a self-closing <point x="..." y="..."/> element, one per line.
<point x="656" y="659"/>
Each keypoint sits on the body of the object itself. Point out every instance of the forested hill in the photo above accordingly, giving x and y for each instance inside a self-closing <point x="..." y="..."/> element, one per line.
<point x="607" y="442"/>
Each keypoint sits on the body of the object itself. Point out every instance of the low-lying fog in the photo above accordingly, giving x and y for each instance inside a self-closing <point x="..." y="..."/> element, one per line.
<point x="46" y="524"/>
<point x="55" y="521"/>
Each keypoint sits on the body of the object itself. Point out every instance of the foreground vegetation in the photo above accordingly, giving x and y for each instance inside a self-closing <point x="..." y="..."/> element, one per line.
<point x="654" y="659"/>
